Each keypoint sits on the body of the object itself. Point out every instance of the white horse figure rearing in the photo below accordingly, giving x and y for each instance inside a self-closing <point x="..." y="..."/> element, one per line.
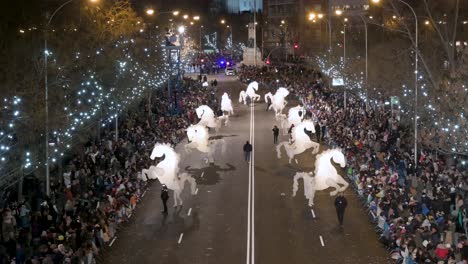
<point x="296" y="115"/>
<point x="325" y="176"/>
<point x="301" y="141"/>
<point x="208" y="118"/>
<point x="167" y="171"/>
<point x="278" y="101"/>
<point x="198" y="138"/>
<point x="251" y="89"/>
<point x="226" y="104"/>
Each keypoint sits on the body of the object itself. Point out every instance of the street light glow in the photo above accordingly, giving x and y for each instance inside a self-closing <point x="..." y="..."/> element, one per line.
<point x="282" y="22"/>
<point x="311" y="16"/>
<point x="181" y="29"/>
<point x="150" y="11"/>
<point x="223" y="21"/>
<point x="196" y="18"/>
<point x="320" y="16"/>
<point x="185" y="16"/>
<point x="375" y="1"/>
<point x="175" y="13"/>
<point x="346" y="20"/>
<point x="338" y="12"/>
<point x="426" y="22"/>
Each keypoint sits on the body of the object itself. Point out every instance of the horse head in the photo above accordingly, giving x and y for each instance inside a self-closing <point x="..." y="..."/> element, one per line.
<point x="282" y="91"/>
<point x="204" y="111"/>
<point x="296" y="115"/>
<point x="253" y="85"/>
<point x="339" y="158"/>
<point x="161" y="150"/>
<point x="197" y="133"/>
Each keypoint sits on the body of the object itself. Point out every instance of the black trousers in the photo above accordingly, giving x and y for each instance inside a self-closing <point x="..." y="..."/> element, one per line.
<point x="340" y="214"/>
<point x="165" y="205"/>
<point x="275" y="139"/>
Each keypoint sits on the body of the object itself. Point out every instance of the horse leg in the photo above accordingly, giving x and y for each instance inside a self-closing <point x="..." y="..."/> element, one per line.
<point x="311" y="196"/>
<point x="342" y="181"/>
<point x="334" y="184"/>
<point x="176" y="195"/>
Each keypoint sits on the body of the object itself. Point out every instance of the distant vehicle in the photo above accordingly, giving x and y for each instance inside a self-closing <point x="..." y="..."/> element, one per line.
<point x="230" y="71"/>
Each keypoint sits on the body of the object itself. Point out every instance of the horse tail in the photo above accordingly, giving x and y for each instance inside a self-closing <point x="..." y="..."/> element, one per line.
<point x="266" y="97"/>
<point x="278" y="149"/>
<point x="241" y="96"/>
<point x="296" y="184"/>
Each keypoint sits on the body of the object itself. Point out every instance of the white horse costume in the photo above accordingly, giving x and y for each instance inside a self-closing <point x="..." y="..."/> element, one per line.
<point x="325" y="176"/>
<point x="301" y="141"/>
<point x="251" y="89"/>
<point x="167" y="171"/>
<point x="209" y="119"/>
<point x="226" y="104"/>
<point x="198" y="138"/>
<point x="278" y="101"/>
<point x="296" y="115"/>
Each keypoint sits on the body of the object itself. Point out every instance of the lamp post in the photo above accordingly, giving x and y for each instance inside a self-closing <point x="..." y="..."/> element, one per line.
<point x="312" y="17"/>
<point x="46" y="96"/>
<point x="416" y="54"/>
<point x="367" y="84"/>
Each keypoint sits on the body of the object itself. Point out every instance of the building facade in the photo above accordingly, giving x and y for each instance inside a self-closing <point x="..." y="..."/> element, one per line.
<point x="238" y="6"/>
<point x="287" y="27"/>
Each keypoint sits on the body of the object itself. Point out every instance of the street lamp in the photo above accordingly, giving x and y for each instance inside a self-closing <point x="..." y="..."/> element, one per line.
<point x="415" y="80"/>
<point x="181" y="29"/>
<point x="46" y="92"/>
<point x="196" y="18"/>
<point x="175" y="13"/>
<point x="223" y="21"/>
<point x="150" y="11"/>
<point x="338" y="12"/>
<point x="328" y="26"/>
<point x="185" y="16"/>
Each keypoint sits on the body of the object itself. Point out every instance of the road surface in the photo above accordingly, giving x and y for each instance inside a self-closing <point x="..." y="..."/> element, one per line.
<point x="215" y="226"/>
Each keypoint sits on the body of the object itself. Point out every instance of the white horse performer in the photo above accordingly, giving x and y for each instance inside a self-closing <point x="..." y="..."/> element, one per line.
<point x="198" y="136"/>
<point x="300" y="141"/>
<point x="325" y="176"/>
<point x="278" y="101"/>
<point x="296" y="115"/>
<point x="226" y="104"/>
<point x="209" y="119"/>
<point x="167" y="171"/>
<point x="251" y="89"/>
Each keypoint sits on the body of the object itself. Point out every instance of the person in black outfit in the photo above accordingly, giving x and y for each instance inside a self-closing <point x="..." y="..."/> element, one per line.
<point x="268" y="103"/>
<point x="275" y="134"/>
<point x="247" y="150"/>
<point x="340" y="205"/>
<point x="317" y="131"/>
<point x="164" y="197"/>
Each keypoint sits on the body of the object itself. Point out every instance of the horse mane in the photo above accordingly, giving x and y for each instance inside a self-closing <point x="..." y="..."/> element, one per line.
<point x="319" y="156"/>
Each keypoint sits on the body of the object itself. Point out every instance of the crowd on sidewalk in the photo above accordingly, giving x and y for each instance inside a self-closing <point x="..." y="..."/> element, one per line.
<point x="419" y="211"/>
<point x="100" y="188"/>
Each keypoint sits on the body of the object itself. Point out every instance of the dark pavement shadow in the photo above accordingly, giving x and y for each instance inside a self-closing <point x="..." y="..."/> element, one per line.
<point x="211" y="174"/>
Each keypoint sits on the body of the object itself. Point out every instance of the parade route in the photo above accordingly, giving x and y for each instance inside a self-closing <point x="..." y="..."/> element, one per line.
<point x="244" y="212"/>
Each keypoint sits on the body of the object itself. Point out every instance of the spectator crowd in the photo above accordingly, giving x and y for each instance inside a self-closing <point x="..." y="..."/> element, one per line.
<point x="418" y="211"/>
<point x="100" y="186"/>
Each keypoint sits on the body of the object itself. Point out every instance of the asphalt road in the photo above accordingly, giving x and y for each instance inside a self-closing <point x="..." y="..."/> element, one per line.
<point x="213" y="225"/>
